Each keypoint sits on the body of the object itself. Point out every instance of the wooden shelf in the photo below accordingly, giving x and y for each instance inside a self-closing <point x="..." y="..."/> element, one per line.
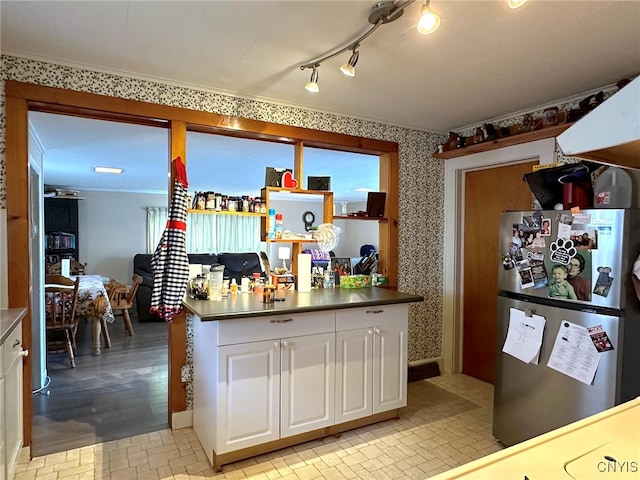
<point x="291" y="240"/>
<point x="347" y="217"/>
<point x="504" y="142"/>
<point x="226" y="212"/>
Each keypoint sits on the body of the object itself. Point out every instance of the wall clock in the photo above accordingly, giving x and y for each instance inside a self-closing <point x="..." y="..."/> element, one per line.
<point x="308" y="218"/>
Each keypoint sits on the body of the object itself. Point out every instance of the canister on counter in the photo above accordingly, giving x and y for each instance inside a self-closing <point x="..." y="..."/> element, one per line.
<point x="268" y="294"/>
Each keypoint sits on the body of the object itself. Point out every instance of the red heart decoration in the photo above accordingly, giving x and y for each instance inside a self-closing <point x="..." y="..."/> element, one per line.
<point x="288" y="181"/>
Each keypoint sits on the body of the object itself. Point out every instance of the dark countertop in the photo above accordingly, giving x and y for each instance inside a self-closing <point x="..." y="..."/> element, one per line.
<point x="9" y="318"/>
<point x="250" y="304"/>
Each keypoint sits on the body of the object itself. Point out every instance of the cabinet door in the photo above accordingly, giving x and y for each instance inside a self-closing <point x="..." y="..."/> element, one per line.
<point x="307" y="383"/>
<point x="248" y="395"/>
<point x="61" y="215"/>
<point x="13" y="398"/>
<point x="354" y="373"/>
<point x="389" y="367"/>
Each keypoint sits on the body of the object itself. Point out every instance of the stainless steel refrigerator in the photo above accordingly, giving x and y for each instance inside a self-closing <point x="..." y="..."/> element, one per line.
<point x="600" y="247"/>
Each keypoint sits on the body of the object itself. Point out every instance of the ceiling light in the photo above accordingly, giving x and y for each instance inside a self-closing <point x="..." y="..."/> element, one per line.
<point x="429" y="21"/>
<point x="516" y="3"/>
<point x="117" y="171"/>
<point x="312" y="85"/>
<point x="382" y="12"/>
<point x="349" y="68"/>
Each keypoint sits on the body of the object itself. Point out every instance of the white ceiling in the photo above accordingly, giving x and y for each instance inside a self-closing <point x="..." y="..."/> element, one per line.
<point x="485" y="61"/>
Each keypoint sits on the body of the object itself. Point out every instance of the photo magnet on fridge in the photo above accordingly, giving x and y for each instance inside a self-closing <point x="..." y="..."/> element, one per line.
<point x="600" y="338"/>
<point x="604" y="281"/>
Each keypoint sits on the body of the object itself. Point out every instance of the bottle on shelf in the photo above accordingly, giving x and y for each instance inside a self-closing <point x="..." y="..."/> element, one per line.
<point x="613" y="189"/>
<point x="279" y="227"/>
<point x="233" y="288"/>
<point x="271" y="224"/>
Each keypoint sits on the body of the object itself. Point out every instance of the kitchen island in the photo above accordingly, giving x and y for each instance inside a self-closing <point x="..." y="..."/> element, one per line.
<point x="268" y="376"/>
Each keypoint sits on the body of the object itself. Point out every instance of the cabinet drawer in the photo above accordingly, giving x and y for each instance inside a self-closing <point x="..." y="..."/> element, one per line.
<point x="12" y="347"/>
<point x="379" y="315"/>
<point x="273" y="327"/>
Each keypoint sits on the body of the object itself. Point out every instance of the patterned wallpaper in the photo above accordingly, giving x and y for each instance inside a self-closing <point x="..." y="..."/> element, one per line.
<point x="421" y="176"/>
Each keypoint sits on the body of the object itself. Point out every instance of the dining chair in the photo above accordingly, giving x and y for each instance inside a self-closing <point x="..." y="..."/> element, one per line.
<point x="75" y="268"/>
<point x="61" y="295"/>
<point x="121" y="297"/>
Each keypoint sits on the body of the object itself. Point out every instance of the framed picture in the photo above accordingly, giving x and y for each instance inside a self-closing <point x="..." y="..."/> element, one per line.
<point x="342" y="265"/>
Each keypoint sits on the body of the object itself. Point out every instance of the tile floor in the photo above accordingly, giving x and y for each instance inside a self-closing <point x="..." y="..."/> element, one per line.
<point x="447" y="423"/>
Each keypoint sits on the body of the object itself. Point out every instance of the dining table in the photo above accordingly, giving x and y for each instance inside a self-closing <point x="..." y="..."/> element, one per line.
<point x="93" y="303"/>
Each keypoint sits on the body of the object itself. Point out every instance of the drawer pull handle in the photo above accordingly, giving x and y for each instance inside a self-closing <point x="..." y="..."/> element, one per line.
<point x="24" y="353"/>
<point x="375" y="311"/>
<point x="285" y="320"/>
<point x="16" y="342"/>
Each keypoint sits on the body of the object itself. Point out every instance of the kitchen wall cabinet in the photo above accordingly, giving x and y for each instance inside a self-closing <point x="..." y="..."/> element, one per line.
<point x="371" y="363"/>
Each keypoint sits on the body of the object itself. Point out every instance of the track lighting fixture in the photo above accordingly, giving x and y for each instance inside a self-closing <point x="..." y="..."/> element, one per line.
<point x="429" y="21"/>
<point x="381" y="12"/>
<point x="312" y="85"/>
<point x="349" y="68"/>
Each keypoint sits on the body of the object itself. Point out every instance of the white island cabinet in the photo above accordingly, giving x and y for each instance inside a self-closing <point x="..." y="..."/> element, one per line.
<point x="261" y="379"/>
<point x="371" y="360"/>
<point x="266" y="377"/>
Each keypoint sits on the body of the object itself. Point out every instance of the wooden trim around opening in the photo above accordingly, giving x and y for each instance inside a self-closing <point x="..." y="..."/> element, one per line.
<point x="22" y="97"/>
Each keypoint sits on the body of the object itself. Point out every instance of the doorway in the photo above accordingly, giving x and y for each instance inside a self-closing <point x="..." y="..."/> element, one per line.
<point x="487" y="193"/>
<point x="124" y="391"/>
<point x="455" y="233"/>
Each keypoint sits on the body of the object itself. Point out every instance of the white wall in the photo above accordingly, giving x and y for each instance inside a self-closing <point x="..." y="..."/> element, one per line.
<point x="112" y="229"/>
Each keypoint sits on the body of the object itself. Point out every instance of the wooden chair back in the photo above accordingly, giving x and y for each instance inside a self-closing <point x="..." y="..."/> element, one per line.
<point x="120" y="295"/>
<point x="75" y="268"/>
<point x="61" y="295"/>
<point x="121" y="298"/>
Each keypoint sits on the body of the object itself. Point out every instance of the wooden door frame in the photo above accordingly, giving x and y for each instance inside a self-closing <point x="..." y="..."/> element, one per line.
<point x="20" y="98"/>
<point x="454" y="181"/>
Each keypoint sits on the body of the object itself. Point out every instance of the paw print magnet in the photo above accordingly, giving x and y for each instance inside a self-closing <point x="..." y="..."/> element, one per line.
<point x="562" y="250"/>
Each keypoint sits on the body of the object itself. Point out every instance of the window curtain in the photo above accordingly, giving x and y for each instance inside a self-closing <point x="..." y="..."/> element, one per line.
<point x="238" y="234"/>
<point x="201" y="233"/>
<point x="156" y="221"/>
<point x="208" y="233"/>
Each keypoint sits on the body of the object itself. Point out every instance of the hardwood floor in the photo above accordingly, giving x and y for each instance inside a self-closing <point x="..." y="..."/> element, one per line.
<point x="116" y="395"/>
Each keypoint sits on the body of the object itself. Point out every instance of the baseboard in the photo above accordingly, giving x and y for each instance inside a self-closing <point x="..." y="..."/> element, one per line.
<point x="182" y="419"/>
<point x="422" y="371"/>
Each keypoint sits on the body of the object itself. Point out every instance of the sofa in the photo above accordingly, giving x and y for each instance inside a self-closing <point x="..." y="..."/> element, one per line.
<point x="235" y="265"/>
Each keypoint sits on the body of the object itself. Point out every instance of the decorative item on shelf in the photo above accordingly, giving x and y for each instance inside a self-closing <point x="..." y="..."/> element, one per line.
<point x="452" y="142"/>
<point x="319" y="183"/>
<point x="478" y="137"/>
<point x="273" y="176"/>
<point x="308" y="218"/>
<point x="284" y="253"/>
<point x="327" y="235"/>
<point x="288" y="181"/>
